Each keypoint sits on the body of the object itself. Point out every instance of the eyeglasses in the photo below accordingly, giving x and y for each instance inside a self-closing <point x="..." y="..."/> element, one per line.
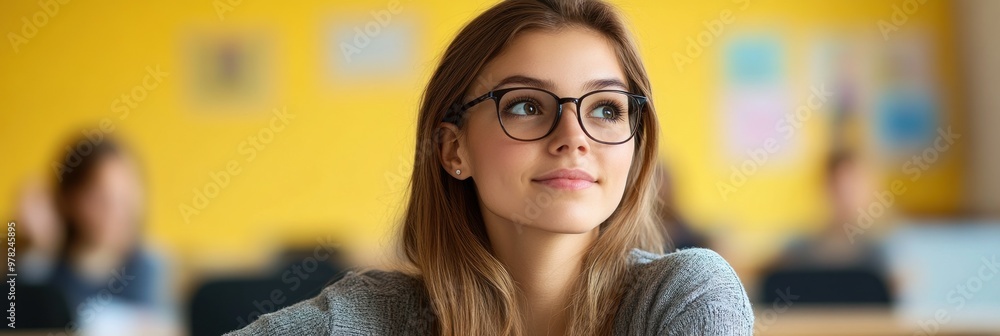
<point x="529" y="114"/>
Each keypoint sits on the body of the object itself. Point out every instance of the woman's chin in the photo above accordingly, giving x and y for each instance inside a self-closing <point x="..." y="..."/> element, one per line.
<point x="563" y="225"/>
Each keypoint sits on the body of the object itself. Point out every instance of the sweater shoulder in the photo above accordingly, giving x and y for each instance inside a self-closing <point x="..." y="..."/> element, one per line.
<point x="684" y="257"/>
<point x="374" y="285"/>
<point x="381" y="302"/>
<point x="361" y="303"/>
<point x="690" y="291"/>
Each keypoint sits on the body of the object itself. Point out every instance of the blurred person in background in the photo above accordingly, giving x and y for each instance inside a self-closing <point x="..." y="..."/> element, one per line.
<point x="849" y="188"/>
<point x="39" y="232"/>
<point x="532" y="213"/>
<point x="112" y="284"/>
<point x="835" y="265"/>
<point x="679" y="235"/>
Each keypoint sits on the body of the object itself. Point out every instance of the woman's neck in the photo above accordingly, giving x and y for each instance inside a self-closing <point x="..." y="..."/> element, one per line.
<point x="95" y="262"/>
<point x="544" y="265"/>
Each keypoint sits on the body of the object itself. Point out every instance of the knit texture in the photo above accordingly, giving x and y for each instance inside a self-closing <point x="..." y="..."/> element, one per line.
<point x="687" y="292"/>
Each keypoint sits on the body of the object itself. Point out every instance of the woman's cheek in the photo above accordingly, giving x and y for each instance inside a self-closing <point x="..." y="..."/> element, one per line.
<point x="504" y="168"/>
<point x="617" y="166"/>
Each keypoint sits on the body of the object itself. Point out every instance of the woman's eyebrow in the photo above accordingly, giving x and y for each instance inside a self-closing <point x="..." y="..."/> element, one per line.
<point x="607" y="83"/>
<point x="595" y="84"/>
<point x="526" y="81"/>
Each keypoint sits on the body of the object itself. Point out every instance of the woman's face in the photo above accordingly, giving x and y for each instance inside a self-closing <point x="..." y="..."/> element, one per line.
<point x="518" y="181"/>
<point x="107" y="208"/>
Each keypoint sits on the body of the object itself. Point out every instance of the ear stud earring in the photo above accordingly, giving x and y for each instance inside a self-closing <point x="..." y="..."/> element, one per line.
<point x="458" y="172"/>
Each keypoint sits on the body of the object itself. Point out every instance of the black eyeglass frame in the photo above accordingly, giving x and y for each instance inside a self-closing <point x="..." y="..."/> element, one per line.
<point x="497" y="95"/>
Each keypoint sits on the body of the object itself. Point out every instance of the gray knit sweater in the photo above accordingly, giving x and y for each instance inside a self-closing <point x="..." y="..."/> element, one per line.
<point x="688" y="292"/>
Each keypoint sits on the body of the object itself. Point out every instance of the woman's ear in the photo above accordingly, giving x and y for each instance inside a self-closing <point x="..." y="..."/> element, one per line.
<point x="453" y="152"/>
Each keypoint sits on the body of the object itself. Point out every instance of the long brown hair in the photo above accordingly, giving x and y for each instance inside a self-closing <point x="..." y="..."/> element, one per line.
<point x="443" y="237"/>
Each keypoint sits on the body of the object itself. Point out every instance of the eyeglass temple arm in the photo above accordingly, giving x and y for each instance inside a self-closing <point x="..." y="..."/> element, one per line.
<point x="455" y="115"/>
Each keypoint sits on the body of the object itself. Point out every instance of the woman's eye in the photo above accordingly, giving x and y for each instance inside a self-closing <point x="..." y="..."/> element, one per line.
<point x="605" y="112"/>
<point x="525" y="108"/>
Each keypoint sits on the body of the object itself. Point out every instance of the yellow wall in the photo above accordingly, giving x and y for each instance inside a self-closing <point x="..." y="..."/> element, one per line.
<point x="330" y="172"/>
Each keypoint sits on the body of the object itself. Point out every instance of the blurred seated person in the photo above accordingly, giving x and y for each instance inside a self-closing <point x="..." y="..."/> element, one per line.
<point x="112" y="284"/>
<point x="679" y="235"/>
<point x="835" y="265"/>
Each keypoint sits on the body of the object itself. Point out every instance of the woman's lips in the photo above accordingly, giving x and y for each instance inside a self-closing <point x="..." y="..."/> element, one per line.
<point x="566" y="184"/>
<point x="567" y="179"/>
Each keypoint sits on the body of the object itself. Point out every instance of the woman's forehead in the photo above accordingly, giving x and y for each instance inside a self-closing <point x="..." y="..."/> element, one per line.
<point x="568" y="62"/>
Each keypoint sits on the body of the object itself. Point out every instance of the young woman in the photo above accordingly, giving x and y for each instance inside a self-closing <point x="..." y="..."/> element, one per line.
<point x="531" y="208"/>
<point x="107" y="277"/>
